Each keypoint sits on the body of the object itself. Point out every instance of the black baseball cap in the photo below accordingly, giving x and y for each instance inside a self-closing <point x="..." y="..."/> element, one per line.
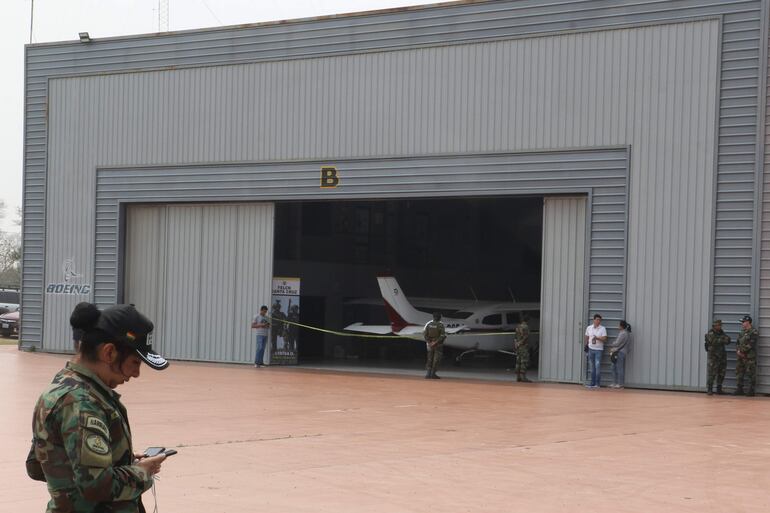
<point x="746" y="318"/>
<point x="119" y="323"/>
<point x="125" y="322"/>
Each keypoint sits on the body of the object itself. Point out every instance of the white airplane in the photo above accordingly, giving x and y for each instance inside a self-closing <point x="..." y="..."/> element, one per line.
<point x="470" y="327"/>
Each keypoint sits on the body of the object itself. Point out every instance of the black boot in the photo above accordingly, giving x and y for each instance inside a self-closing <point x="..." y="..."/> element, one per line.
<point x="739" y="390"/>
<point x="518" y="377"/>
<point x="750" y="392"/>
<point x="428" y="375"/>
<point x="435" y="376"/>
<point x="709" y="390"/>
<point x="719" y="390"/>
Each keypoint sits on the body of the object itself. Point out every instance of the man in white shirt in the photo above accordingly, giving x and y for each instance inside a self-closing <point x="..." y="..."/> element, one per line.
<point x="261" y="325"/>
<point x="594" y="338"/>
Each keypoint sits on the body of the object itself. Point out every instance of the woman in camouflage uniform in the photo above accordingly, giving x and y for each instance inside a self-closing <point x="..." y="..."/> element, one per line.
<point x="81" y="444"/>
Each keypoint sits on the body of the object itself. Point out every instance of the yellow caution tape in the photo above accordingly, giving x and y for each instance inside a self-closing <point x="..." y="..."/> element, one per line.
<point x="416" y="336"/>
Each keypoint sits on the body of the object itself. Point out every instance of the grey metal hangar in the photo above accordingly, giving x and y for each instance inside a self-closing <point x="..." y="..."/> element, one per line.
<point x="585" y="156"/>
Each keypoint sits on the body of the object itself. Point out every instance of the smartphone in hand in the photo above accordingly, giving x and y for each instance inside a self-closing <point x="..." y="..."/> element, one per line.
<point x="155" y="451"/>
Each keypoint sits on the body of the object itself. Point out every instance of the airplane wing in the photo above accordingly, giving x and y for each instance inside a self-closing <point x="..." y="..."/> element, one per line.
<point x="407" y="331"/>
<point x="360" y="327"/>
<point x="412" y="331"/>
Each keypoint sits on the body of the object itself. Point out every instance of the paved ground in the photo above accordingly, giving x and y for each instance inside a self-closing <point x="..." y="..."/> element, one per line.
<point x="289" y="440"/>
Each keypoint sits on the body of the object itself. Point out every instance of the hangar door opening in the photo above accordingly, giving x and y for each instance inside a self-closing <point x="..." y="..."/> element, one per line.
<point x="563" y="286"/>
<point x="474" y="259"/>
<point x="200" y="273"/>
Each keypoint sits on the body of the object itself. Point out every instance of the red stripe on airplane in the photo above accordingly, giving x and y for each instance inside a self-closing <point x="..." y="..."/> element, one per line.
<point x="397" y="323"/>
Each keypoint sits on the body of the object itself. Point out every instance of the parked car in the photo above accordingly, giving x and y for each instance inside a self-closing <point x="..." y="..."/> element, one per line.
<point x="9" y="324"/>
<point x="9" y="300"/>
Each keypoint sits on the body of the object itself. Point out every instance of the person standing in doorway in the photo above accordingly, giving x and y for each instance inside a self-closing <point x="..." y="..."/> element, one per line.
<point x="715" y="342"/>
<point x="746" y="350"/>
<point x="434" y="334"/>
<point x="261" y="326"/>
<point x="521" y="341"/>
<point x="594" y="338"/>
<point x="618" y="352"/>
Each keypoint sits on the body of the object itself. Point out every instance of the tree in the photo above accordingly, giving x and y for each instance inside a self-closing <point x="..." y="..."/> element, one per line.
<point x="10" y="253"/>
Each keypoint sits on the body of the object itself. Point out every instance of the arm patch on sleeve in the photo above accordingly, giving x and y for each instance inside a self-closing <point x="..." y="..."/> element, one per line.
<point x="97" y="425"/>
<point x="97" y="444"/>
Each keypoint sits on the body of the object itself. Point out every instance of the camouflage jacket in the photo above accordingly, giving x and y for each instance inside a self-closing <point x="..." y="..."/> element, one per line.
<point x="434" y="331"/>
<point x="277" y="326"/>
<point x="522" y="334"/>
<point x="716" y="340"/>
<point x="747" y="342"/>
<point x="81" y="447"/>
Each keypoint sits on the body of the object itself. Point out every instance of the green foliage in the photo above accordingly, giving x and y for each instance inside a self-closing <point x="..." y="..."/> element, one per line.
<point x="10" y="254"/>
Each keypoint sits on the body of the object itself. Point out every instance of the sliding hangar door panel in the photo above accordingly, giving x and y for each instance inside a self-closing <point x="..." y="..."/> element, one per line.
<point x="563" y="289"/>
<point x="200" y="272"/>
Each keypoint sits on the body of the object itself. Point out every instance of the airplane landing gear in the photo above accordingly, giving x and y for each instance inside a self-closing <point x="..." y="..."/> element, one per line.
<point x="459" y="357"/>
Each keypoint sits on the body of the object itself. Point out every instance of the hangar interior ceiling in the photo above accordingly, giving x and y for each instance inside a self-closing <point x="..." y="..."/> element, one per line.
<point x="465" y="249"/>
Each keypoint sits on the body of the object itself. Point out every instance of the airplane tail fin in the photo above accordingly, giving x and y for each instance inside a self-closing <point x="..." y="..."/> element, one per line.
<point x="400" y="311"/>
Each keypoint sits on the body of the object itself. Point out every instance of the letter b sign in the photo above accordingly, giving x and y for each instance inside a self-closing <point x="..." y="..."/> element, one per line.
<point x="329" y="178"/>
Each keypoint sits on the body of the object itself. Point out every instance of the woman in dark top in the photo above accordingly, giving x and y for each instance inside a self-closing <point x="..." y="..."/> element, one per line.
<point x="618" y="352"/>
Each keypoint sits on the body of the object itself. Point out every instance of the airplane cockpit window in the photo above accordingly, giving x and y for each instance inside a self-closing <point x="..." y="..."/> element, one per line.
<point x="494" y="319"/>
<point x="512" y="318"/>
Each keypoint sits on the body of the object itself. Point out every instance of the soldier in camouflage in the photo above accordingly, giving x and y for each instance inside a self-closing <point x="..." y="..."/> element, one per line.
<point x="746" y="351"/>
<point x="434" y="334"/>
<point x="715" y="342"/>
<point x="521" y="341"/>
<point x="277" y="328"/>
<point x="292" y="330"/>
<point x="81" y="445"/>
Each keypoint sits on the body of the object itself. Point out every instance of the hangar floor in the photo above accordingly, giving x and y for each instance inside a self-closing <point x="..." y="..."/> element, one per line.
<point x="483" y="371"/>
<point x="294" y="440"/>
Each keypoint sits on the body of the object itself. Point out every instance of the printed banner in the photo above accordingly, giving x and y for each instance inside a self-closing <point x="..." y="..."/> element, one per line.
<point x="284" y="307"/>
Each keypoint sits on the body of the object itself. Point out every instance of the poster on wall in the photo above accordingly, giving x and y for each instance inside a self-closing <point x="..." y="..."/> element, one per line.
<point x="284" y="310"/>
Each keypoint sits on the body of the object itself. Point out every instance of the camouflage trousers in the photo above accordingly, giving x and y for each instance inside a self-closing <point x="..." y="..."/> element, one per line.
<point x="746" y="367"/>
<point x="717" y="365"/>
<point x="434" y="357"/>
<point x="522" y="359"/>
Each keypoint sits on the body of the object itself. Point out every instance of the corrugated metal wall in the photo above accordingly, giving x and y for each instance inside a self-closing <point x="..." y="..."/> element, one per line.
<point x="652" y="88"/>
<point x="563" y="305"/>
<point x="763" y="320"/>
<point x="200" y="272"/>
<point x="145" y="256"/>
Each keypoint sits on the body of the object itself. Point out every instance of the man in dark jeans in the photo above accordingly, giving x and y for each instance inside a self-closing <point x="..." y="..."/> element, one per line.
<point x="261" y="326"/>
<point x="595" y="337"/>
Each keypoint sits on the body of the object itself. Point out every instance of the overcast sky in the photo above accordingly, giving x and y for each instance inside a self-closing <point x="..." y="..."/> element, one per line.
<point x="60" y="20"/>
